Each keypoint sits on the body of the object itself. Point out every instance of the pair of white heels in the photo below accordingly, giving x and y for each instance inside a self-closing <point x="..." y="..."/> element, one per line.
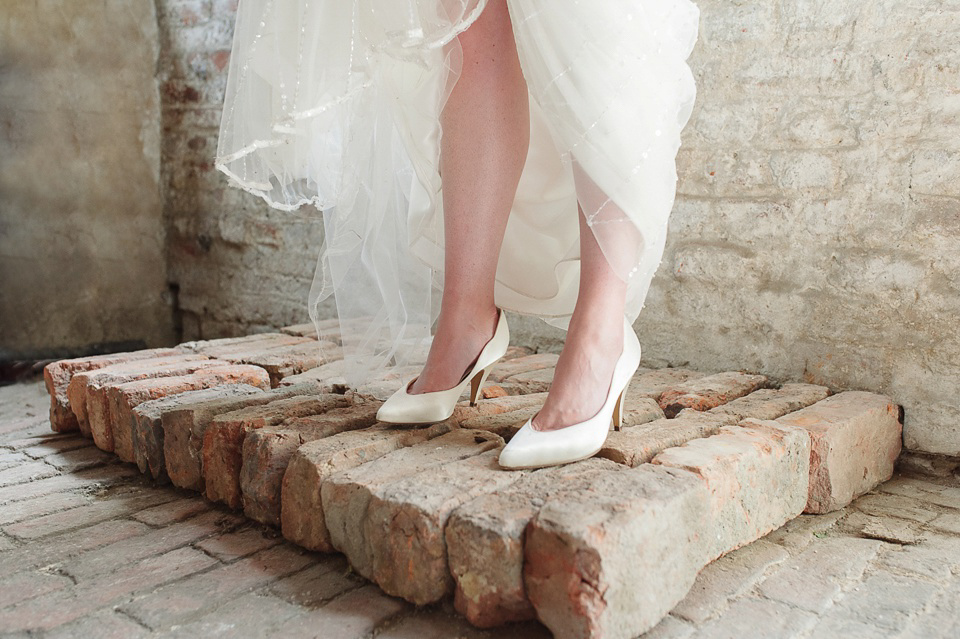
<point x="529" y="448"/>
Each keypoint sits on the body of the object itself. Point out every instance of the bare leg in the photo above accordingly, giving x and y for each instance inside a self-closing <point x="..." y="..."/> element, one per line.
<point x="486" y="134"/>
<point x="593" y="344"/>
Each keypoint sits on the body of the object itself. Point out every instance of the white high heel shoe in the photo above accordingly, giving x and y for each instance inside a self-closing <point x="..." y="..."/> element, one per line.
<point x="531" y="448"/>
<point x="436" y="406"/>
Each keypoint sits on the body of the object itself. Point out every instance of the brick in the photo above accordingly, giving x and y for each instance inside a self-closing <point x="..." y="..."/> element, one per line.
<point x="63" y="546"/>
<point x="652" y="384"/>
<point x="730" y="576"/>
<point x="755" y="618"/>
<point x="147" y="422"/>
<point x="888" y="529"/>
<point x="405" y="520"/>
<point x="519" y="365"/>
<point x="26" y="585"/>
<point x="813" y="579"/>
<point x="708" y="392"/>
<point x="231" y="347"/>
<point x="84" y="515"/>
<point x="223" y="440"/>
<point x="347" y="495"/>
<point x="318" y="584"/>
<point x="172" y="511"/>
<point x="85" y="479"/>
<point x="113" y="556"/>
<point x="54" y="609"/>
<point x="267" y="452"/>
<point x="883" y="505"/>
<point x="356" y="614"/>
<point x="104" y="624"/>
<point x="184" y="429"/>
<point x="234" y="545"/>
<point x="328" y="378"/>
<point x="856" y="437"/>
<point x="176" y="603"/>
<point x="26" y="472"/>
<point x="287" y="361"/>
<point x="463" y="411"/>
<point x="637" y="445"/>
<point x="124" y="398"/>
<point x="302" y="516"/>
<point x="484" y="539"/>
<point x="594" y="559"/>
<point x="250" y="615"/>
<point x="78" y="459"/>
<point x="506" y="424"/>
<point x="308" y="329"/>
<point x="121" y="371"/>
<point x="926" y="491"/>
<point x="771" y="403"/>
<point x="536" y="381"/>
<point x="40" y="448"/>
<point x="756" y="477"/>
<point x="20" y="510"/>
<point x="57" y="375"/>
<point x="98" y="396"/>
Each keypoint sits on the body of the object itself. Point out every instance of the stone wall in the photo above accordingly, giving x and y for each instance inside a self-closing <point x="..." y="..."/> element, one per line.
<point x="818" y="216"/>
<point x="238" y="266"/>
<point x="82" y="263"/>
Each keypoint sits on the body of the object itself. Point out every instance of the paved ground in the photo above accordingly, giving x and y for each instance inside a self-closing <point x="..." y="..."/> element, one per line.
<point x="90" y="548"/>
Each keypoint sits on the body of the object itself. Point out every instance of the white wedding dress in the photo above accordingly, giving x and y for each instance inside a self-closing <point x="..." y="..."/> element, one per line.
<point x="336" y="103"/>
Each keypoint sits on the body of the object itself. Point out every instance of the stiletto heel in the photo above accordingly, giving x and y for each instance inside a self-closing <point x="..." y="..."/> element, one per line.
<point x="531" y="448"/>
<point x="618" y="409"/>
<point x="476" y="384"/>
<point x="617" y="415"/>
<point x="424" y="408"/>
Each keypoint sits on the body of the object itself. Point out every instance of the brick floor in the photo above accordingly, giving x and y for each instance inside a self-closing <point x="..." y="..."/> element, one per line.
<point x="90" y="547"/>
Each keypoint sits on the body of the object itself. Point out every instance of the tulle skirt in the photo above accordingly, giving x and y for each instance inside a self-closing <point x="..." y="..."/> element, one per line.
<point x="336" y="104"/>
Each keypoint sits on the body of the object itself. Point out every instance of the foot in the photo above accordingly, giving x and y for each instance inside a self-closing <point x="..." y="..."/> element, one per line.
<point x="584" y="371"/>
<point x="460" y="336"/>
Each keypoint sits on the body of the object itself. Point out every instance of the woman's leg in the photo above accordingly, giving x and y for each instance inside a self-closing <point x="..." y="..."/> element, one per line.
<point x="594" y="339"/>
<point x="486" y="133"/>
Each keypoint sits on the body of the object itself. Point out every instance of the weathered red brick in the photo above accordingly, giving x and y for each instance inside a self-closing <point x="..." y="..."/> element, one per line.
<point x="756" y="474"/>
<point x="96" y="420"/>
<point x="123" y="398"/>
<point x="56" y="376"/>
<point x="524" y="364"/>
<point x="114" y="556"/>
<point x="175" y="603"/>
<point x="60" y="607"/>
<point x="347" y="495"/>
<point x="223" y="440"/>
<point x="267" y="452"/>
<point x="184" y="428"/>
<point x="289" y="360"/>
<point x="147" y="422"/>
<point x="639" y="444"/>
<point x="126" y="370"/>
<point x="856" y="437"/>
<point x="708" y="392"/>
<point x="771" y="403"/>
<point x="405" y="520"/>
<point x="301" y="509"/>
<point x="484" y="539"/>
<point x="610" y="560"/>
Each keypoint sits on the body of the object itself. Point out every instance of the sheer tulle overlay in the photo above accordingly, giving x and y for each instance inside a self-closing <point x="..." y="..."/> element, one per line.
<point x="336" y="103"/>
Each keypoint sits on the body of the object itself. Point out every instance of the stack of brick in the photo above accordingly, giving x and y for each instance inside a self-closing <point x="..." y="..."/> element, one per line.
<point x="703" y="465"/>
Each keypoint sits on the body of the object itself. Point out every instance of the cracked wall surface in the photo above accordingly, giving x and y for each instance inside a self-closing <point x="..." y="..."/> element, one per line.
<point x="82" y="257"/>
